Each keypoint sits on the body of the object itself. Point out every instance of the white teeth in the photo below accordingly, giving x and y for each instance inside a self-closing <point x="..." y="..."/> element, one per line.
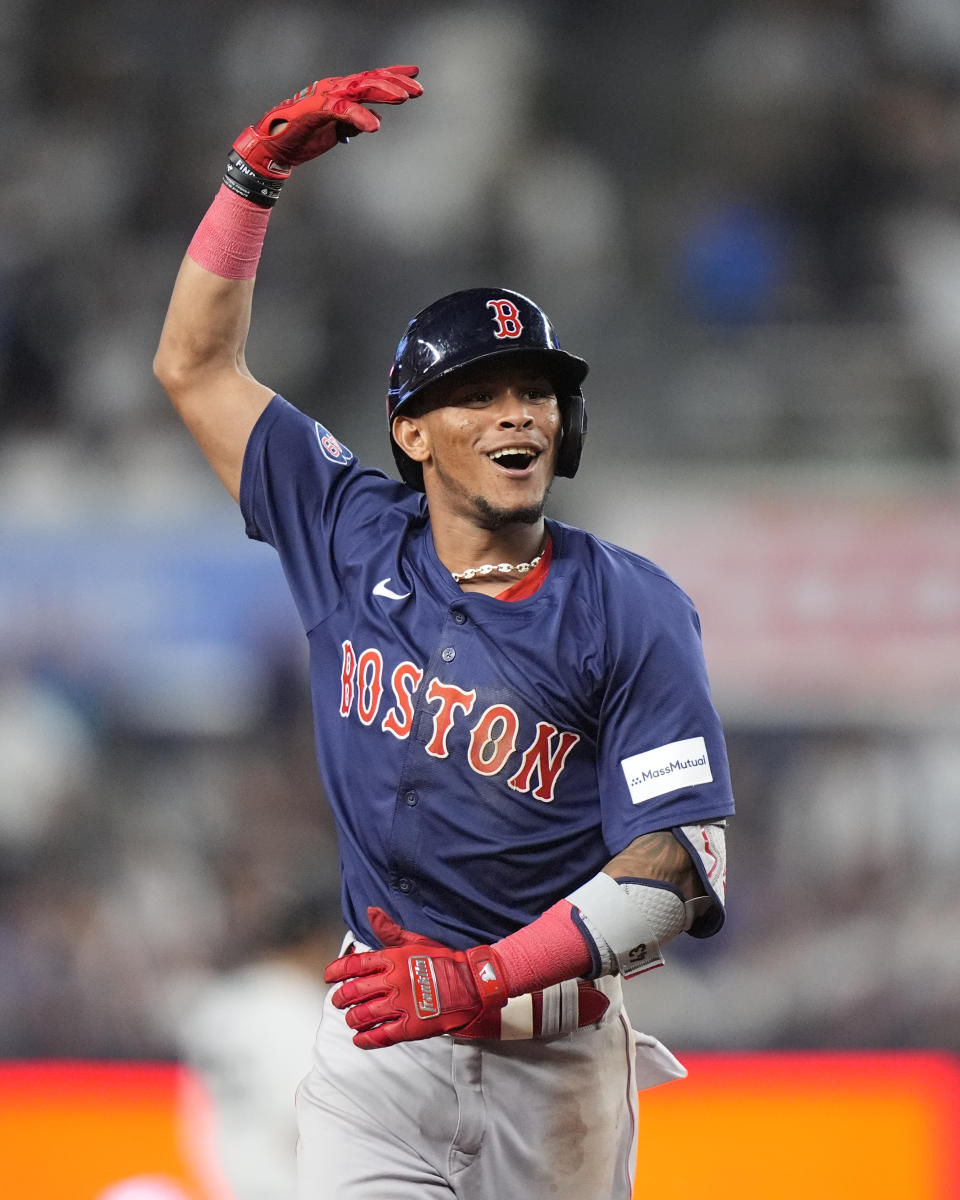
<point x="519" y="450"/>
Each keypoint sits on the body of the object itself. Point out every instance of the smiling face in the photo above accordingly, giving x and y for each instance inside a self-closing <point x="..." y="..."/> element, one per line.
<point x="487" y="438"/>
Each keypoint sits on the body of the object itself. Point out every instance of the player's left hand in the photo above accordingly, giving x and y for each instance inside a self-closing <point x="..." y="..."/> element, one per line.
<point x="413" y="987"/>
<point x="316" y="118"/>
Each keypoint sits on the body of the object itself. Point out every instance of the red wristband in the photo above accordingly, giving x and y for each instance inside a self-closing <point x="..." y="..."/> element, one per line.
<point x="230" y="237"/>
<point x="545" y="952"/>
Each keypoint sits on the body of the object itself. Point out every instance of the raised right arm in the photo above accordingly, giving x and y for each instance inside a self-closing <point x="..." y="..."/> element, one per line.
<point x="200" y="364"/>
<point x="200" y="359"/>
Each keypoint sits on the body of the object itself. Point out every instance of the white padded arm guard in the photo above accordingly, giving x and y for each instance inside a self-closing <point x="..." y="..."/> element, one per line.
<point x="628" y="922"/>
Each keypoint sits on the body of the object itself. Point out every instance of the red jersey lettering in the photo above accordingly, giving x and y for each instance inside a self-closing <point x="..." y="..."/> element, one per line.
<point x="547" y="765"/>
<point x="404" y="681"/>
<point x="493" y="739"/>
<point x="347" y="671"/>
<point x="369" y="685"/>
<point x="451" y="698"/>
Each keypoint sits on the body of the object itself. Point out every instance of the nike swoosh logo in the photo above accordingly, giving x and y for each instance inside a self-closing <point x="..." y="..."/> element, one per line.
<point x="381" y="589"/>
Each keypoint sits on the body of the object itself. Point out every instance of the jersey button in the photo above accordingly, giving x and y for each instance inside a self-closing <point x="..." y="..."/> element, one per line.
<point x="411" y="798"/>
<point x="448" y="654"/>
<point x="459" y="617"/>
<point x="405" y="885"/>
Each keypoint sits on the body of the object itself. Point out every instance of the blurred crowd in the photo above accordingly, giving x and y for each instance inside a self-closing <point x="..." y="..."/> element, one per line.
<point x="745" y="214"/>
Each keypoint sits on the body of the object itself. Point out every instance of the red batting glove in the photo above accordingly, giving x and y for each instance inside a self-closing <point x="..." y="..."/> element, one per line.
<point x="389" y="933"/>
<point x="308" y="125"/>
<point x="316" y="118"/>
<point x="414" y="988"/>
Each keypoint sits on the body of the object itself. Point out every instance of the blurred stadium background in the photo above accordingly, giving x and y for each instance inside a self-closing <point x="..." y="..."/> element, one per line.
<point x="745" y="215"/>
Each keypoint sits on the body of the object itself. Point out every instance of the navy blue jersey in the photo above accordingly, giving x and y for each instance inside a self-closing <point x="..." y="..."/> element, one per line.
<point x="482" y="758"/>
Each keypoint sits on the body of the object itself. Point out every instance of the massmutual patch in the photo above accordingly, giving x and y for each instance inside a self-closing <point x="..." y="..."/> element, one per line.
<point x="667" y="768"/>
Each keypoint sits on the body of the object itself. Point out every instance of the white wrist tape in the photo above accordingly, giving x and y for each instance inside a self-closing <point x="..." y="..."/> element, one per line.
<point x="628" y="922"/>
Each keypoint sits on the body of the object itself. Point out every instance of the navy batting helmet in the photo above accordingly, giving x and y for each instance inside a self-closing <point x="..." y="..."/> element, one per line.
<point x="471" y="326"/>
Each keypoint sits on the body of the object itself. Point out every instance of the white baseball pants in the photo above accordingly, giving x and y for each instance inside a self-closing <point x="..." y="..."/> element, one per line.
<point x="475" y="1120"/>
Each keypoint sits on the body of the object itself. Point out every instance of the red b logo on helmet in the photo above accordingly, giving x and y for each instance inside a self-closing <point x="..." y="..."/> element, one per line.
<point x="506" y="316"/>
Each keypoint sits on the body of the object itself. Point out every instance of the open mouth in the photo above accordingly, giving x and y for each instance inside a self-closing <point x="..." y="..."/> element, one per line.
<point x="515" y="459"/>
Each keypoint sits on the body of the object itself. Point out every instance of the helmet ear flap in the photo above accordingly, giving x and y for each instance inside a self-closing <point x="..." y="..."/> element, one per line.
<point x="574" y="434"/>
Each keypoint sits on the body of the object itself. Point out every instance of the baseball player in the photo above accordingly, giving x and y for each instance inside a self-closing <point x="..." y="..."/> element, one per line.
<point x="513" y="724"/>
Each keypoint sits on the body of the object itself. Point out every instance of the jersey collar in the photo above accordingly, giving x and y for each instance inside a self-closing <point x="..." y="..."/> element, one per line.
<point x="530" y="583"/>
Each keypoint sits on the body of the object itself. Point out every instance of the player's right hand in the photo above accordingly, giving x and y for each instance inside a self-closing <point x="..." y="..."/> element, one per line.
<point x="316" y="118"/>
<point x="414" y="988"/>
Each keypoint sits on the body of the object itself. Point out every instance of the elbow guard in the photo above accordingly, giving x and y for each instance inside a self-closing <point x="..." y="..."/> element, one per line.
<point x="706" y="844"/>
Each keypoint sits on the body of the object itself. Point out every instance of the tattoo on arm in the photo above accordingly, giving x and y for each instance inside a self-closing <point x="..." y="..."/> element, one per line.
<point x="657" y="856"/>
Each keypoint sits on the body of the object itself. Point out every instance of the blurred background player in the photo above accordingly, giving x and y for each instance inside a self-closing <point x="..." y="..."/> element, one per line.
<point x="248" y="1032"/>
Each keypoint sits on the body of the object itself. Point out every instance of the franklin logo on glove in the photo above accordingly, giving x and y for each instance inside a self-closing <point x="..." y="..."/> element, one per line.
<point x="424" y="987"/>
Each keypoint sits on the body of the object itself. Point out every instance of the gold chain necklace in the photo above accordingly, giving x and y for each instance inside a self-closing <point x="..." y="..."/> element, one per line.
<point x="523" y="568"/>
